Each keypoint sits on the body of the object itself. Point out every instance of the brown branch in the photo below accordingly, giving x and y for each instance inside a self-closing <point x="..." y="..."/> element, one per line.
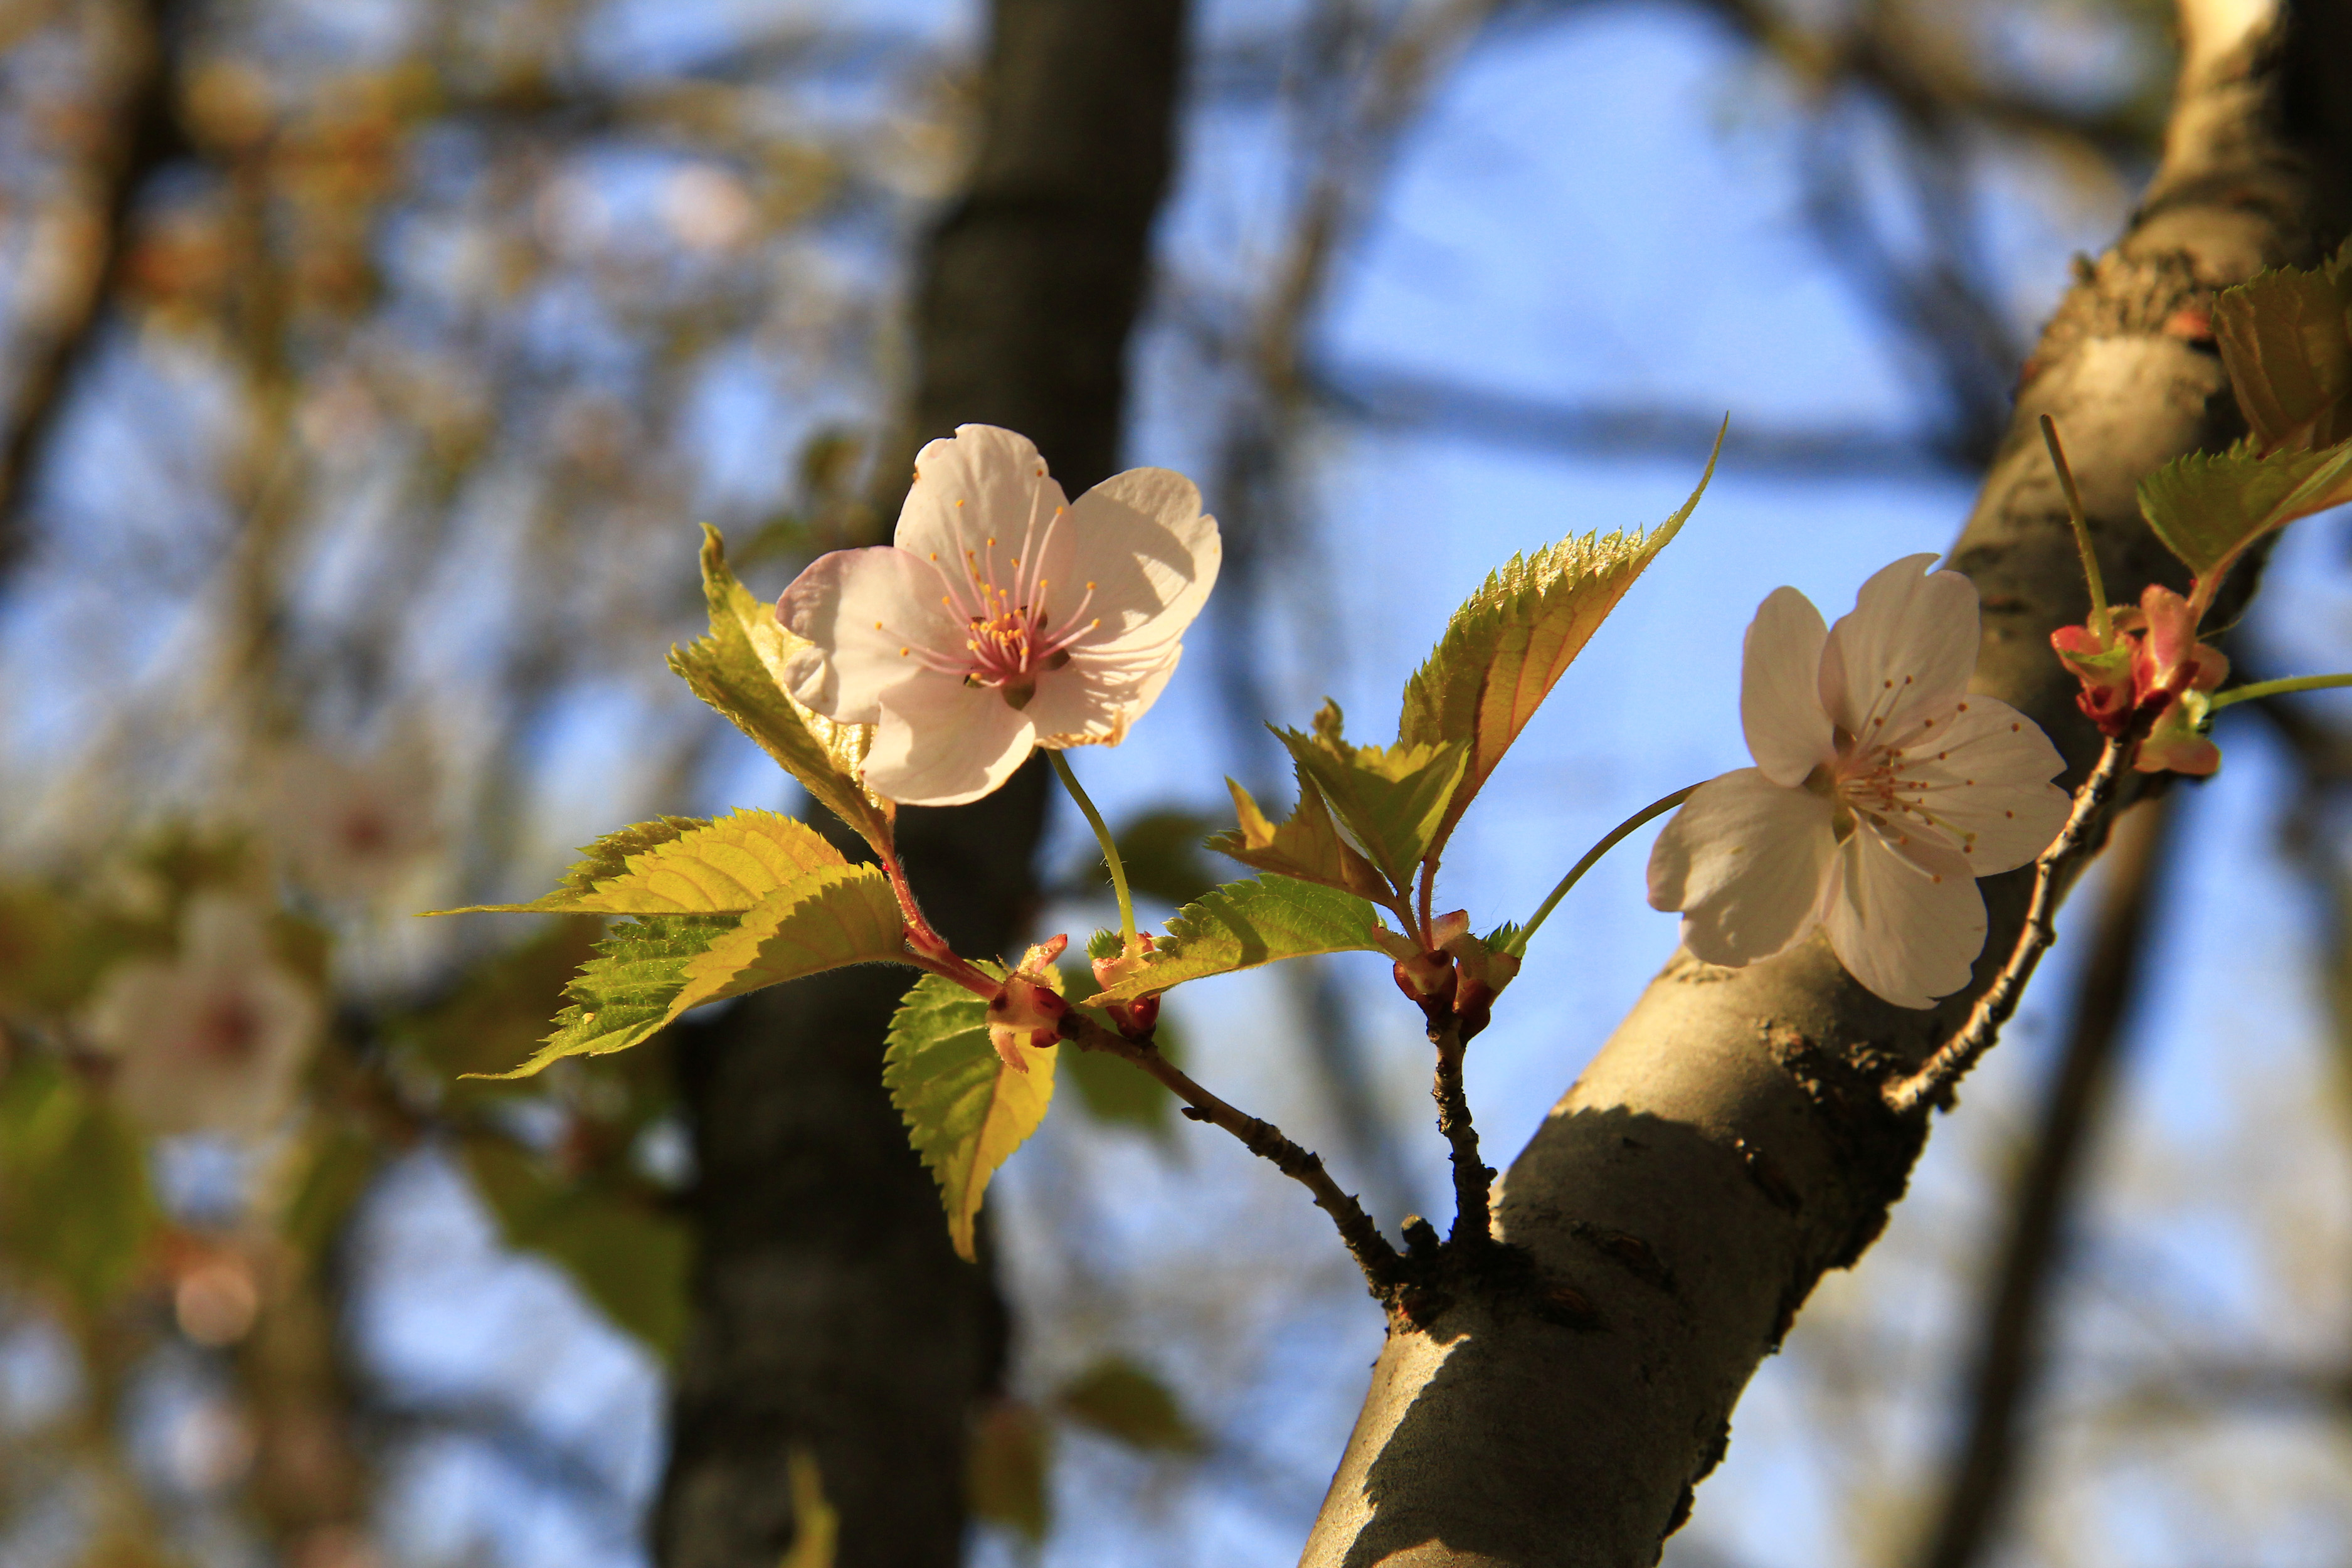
<point x="1381" y="1267"/>
<point x="2085" y="828"/>
<point x="2006" y="1361"/>
<point x="146" y="136"/>
<point x="1474" y="1179"/>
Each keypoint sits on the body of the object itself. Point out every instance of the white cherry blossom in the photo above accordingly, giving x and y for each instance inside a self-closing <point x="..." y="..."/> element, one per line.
<point x="1002" y="618"/>
<point x="213" y="1038"/>
<point x="1882" y="790"/>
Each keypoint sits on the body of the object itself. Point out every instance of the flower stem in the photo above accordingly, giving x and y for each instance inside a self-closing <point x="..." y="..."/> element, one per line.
<point x="2220" y="699"/>
<point x="1933" y="1081"/>
<point x="1109" y="848"/>
<point x="2081" y="520"/>
<point x="1518" y="946"/>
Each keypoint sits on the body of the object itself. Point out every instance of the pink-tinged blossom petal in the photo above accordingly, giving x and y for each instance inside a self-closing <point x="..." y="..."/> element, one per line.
<point x="1779" y="688"/>
<point x="938" y="744"/>
<point x="877" y="616"/>
<point x="1909" y="933"/>
<point x="1141" y="539"/>
<point x="1906" y="650"/>
<point x="1745" y="859"/>
<point x="1879" y="830"/>
<point x="1982" y="780"/>
<point x="982" y="483"/>
<point x="1002" y="618"/>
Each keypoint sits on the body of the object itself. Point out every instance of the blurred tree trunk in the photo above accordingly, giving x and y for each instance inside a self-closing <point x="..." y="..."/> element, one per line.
<point x="1729" y="1143"/>
<point x="830" y="1311"/>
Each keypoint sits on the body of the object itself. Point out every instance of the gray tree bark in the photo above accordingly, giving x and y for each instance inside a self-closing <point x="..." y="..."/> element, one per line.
<point x="1729" y="1143"/>
<point x="829" y="1309"/>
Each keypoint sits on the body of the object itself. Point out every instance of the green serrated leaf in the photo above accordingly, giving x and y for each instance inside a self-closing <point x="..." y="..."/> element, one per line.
<point x="2285" y="337"/>
<point x="2209" y="507"/>
<point x="75" y="1208"/>
<point x="701" y="868"/>
<point x="1245" y="924"/>
<point x="1119" y="1398"/>
<point x="738" y="668"/>
<point x="1513" y="639"/>
<point x="1308" y="845"/>
<point x="833" y="916"/>
<point x="966" y="1112"/>
<point x="609" y="856"/>
<point x="657" y="967"/>
<point x="624" y="994"/>
<point x="1392" y="799"/>
<point x="626" y="1256"/>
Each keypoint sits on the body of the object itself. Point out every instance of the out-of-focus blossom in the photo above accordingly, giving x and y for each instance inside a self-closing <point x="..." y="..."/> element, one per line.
<point x="353" y="831"/>
<point x="215" y="1037"/>
<point x="1882" y="790"/>
<point x="1002" y="618"/>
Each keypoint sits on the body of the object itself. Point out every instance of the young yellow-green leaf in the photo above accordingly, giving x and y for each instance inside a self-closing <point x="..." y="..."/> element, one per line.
<point x="75" y="1207"/>
<point x="2209" y="507"/>
<point x="1308" y="846"/>
<point x="627" y="1256"/>
<point x="966" y="1112"/>
<point x="1392" y="799"/>
<point x="659" y="966"/>
<point x="704" y="869"/>
<point x="833" y="916"/>
<point x="1117" y="1397"/>
<point x="2285" y="337"/>
<point x="624" y="993"/>
<point x="1513" y="639"/>
<point x="1243" y="924"/>
<point x="739" y="669"/>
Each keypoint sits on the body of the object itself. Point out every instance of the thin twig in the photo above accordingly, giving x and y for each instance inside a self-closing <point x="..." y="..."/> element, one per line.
<point x="1473" y="1179"/>
<point x="1952" y="1061"/>
<point x="1381" y="1267"/>
<point x="2007" y="1360"/>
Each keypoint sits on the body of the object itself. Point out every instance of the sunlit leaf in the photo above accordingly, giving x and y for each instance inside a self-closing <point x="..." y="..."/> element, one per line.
<point x="2286" y="339"/>
<point x="1117" y="1397"/>
<point x="1308" y="845"/>
<point x="624" y="993"/>
<point x="1392" y="799"/>
<point x="680" y="866"/>
<point x="652" y="969"/>
<point x="2209" y="507"/>
<point x="1245" y="924"/>
<point x="738" y="668"/>
<point x="965" y="1109"/>
<point x="1513" y="639"/>
<point x="627" y="1256"/>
